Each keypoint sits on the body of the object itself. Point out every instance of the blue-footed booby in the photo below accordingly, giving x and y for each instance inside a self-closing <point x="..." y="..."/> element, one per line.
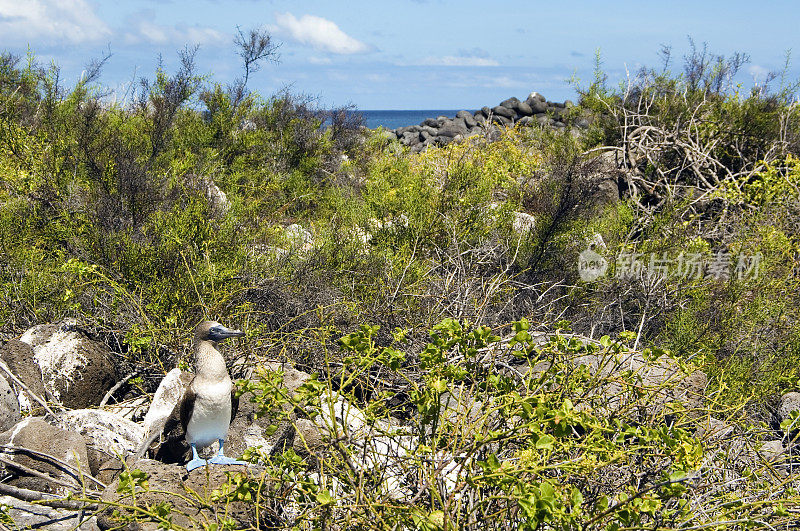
<point x="205" y="411"/>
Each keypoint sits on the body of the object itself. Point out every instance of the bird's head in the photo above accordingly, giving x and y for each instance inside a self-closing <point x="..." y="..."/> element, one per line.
<point x="213" y="331"/>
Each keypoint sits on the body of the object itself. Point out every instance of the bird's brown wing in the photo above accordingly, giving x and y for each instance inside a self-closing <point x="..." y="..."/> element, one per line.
<point x="187" y="406"/>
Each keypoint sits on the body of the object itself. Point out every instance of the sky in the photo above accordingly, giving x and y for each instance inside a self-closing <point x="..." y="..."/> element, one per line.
<point x="401" y="54"/>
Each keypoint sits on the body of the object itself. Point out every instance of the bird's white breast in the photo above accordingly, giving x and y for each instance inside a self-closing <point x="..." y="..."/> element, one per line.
<point x="211" y="414"/>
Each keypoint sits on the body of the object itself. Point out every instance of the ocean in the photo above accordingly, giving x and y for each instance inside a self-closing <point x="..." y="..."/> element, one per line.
<point x="395" y="119"/>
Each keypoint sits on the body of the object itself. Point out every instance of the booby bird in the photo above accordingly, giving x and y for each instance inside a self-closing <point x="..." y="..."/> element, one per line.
<point x="205" y="411"/>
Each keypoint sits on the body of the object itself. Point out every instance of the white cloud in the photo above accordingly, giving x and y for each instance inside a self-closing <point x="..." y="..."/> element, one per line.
<point x="758" y="72"/>
<point x="453" y="60"/>
<point x="314" y="60"/>
<point x="319" y="33"/>
<point x="50" y="20"/>
<point x="142" y="27"/>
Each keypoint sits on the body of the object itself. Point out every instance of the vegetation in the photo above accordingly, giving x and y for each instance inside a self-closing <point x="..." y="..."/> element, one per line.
<point x="410" y="274"/>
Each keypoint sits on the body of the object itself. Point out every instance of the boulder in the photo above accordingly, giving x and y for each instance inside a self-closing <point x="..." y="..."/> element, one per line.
<point x="537" y="107"/>
<point x="510" y="103"/>
<point x="36" y="516"/>
<point x="771" y="451"/>
<point x="430" y="122"/>
<point x="217" y="199"/>
<point x="464" y="114"/>
<point x="33" y="433"/>
<point x="485" y="111"/>
<point x="380" y="447"/>
<point x="76" y="370"/>
<point x="410" y="137"/>
<point x="523" y="109"/>
<point x="502" y="120"/>
<point x="453" y="129"/>
<point x="169" y="484"/>
<point x="526" y="121"/>
<point x="535" y="96"/>
<point x="789" y="402"/>
<point x="9" y="405"/>
<point x="523" y="223"/>
<point x="503" y="111"/>
<point x="17" y="357"/>
<point x="470" y="121"/>
<point x="106" y="434"/>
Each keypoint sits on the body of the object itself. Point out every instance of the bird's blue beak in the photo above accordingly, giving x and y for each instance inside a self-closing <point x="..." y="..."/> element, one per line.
<point x="219" y="332"/>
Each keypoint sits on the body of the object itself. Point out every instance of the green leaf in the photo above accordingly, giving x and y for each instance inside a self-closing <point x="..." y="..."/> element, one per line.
<point x="545" y="442"/>
<point x="324" y="497"/>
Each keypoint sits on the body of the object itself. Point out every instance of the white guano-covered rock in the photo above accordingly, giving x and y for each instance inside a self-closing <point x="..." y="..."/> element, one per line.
<point x="104" y="430"/>
<point x="76" y="370"/>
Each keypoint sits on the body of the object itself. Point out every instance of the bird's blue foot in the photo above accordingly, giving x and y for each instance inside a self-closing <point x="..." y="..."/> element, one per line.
<point x="222" y="459"/>
<point x="195" y="463"/>
<point x="225" y="460"/>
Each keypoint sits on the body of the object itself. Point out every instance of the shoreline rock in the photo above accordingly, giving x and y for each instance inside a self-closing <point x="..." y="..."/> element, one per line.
<point x="534" y="111"/>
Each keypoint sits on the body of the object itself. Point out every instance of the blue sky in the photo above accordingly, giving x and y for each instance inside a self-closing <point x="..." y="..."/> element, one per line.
<point x="401" y="54"/>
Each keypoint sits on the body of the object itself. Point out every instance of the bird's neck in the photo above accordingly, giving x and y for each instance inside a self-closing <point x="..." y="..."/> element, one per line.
<point x="209" y="363"/>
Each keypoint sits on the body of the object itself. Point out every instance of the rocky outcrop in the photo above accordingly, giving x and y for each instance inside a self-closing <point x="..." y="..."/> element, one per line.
<point x="185" y="494"/>
<point x="65" y="446"/>
<point x="37" y="516"/>
<point x="534" y="111"/>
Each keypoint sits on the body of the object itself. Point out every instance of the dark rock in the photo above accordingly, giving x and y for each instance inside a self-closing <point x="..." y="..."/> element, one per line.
<point x="581" y="123"/>
<point x="170" y="483"/>
<point x="424" y="135"/>
<point x="35" y="434"/>
<point x="543" y="119"/>
<point x="463" y="114"/>
<point x="76" y="370"/>
<point x="556" y="104"/>
<point x="470" y="121"/>
<point x="453" y="129"/>
<point x="430" y="122"/>
<point x="569" y="104"/>
<point x="523" y="109"/>
<point x="503" y="111"/>
<point x="559" y="125"/>
<point x="486" y="112"/>
<point x="430" y="130"/>
<point x="510" y="103"/>
<point x="410" y="137"/>
<point x="18" y="356"/>
<point x="526" y="121"/>
<point x="9" y="405"/>
<point x="502" y="120"/>
<point x="442" y="119"/>
<point x="537" y="106"/>
<point x="535" y="96"/>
